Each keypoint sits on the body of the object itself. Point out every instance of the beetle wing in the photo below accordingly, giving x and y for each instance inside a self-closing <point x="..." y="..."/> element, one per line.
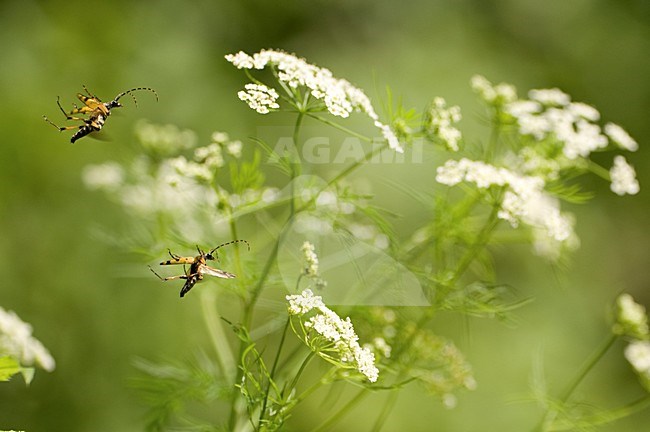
<point x="204" y="269"/>
<point x="90" y="102"/>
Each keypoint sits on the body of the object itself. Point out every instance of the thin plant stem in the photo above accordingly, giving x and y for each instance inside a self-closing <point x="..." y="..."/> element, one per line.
<point x="478" y="245"/>
<point x="550" y="414"/>
<point x="218" y="337"/>
<point x="598" y="170"/>
<point x="257" y="290"/>
<point x="494" y="137"/>
<point x="296" y="166"/>
<point x="302" y="368"/>
<point x="339" y="127"/>
<point x="318" y="384"/>
<point x="249" y="305"/>
<point x="343" y="411"/>
<point x="383" y="413"/>
<point x="273" y="369"/>
<point x="353" y="166"/>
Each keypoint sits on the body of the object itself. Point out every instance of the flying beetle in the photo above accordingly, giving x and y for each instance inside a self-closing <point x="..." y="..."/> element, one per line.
<point x="198" y="267"/>
<point x="96" y="110"/>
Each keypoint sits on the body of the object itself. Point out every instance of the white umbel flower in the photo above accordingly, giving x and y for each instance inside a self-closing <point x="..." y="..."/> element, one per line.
<point x="337" y="332"/>
<point x="550" y="114"/>
<point x="259" y="97"/>
<point x="623" y="177"/>
<point x="524" y="198"/>
<point x="16" y="341"/>
<point x="340" y="97"/>
<point x="300" y="304"/>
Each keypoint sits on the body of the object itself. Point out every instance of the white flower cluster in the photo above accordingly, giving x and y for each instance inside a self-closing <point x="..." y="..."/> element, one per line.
<point x="619" y="136"/>
<point x="623" y="177"/>
<point x="16" y="341"/>
<point x="210" y="155"/>
<point x="524" y="198"/>
<point x="195" y="170"/>
<point x="493" y="94"/>
<point x="340" y="97"/>
<point x="441" y="120"/>
<point x="632" y="322"/>
<point x="550" y="113"/>
<point x="638" y="354"/>
<point x="232" y="147"/>
<point x="311" y="269"/>
<point x="336" y="331"/>
<point x="311" y="265"/>
<point x="631" y="318"/>
<point x="260" y="98"/>
<point x="570" y="134"/>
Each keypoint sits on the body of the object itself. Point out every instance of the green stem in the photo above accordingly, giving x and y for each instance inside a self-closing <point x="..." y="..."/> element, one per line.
<point x="478" y="245"/>
<point x="296" y="166"/>
<point x="383" y="413"/>
<point x="273" y="369"/>
<point x="302" y="368"/>
<point x="598" y="170"/>
<point x="343" y="411"/>
<point x="494" y="137"/>
<point x="463" y="264"/>
<point x="353" y="166"/>
<point x="249" y="305"/>
<point x="550" y="414"/>
<point x="339" y="127"/>
<point x="247" y="317"/>
<point x="218" y="337"/>
<point x="318" y="384"/>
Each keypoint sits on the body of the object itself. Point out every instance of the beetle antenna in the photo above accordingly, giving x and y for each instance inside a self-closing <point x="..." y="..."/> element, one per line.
<point x="229" y="243"/>
<point x="129" y="92"/>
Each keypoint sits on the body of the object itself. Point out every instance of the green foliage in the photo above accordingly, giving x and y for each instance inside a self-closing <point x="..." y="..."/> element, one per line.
<point x="535" y="152"/>
<point x="10" y="367"/>
<point x="170" y="388"/>
<point x="246" y="175"/>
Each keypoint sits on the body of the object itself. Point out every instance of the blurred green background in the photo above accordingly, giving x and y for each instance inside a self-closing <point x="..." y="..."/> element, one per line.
<point x="96" y="311"/>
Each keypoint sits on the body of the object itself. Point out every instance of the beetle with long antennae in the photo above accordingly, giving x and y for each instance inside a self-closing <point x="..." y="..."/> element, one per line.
<point x="198" y="267"/>
<point x="96" y="110"/>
